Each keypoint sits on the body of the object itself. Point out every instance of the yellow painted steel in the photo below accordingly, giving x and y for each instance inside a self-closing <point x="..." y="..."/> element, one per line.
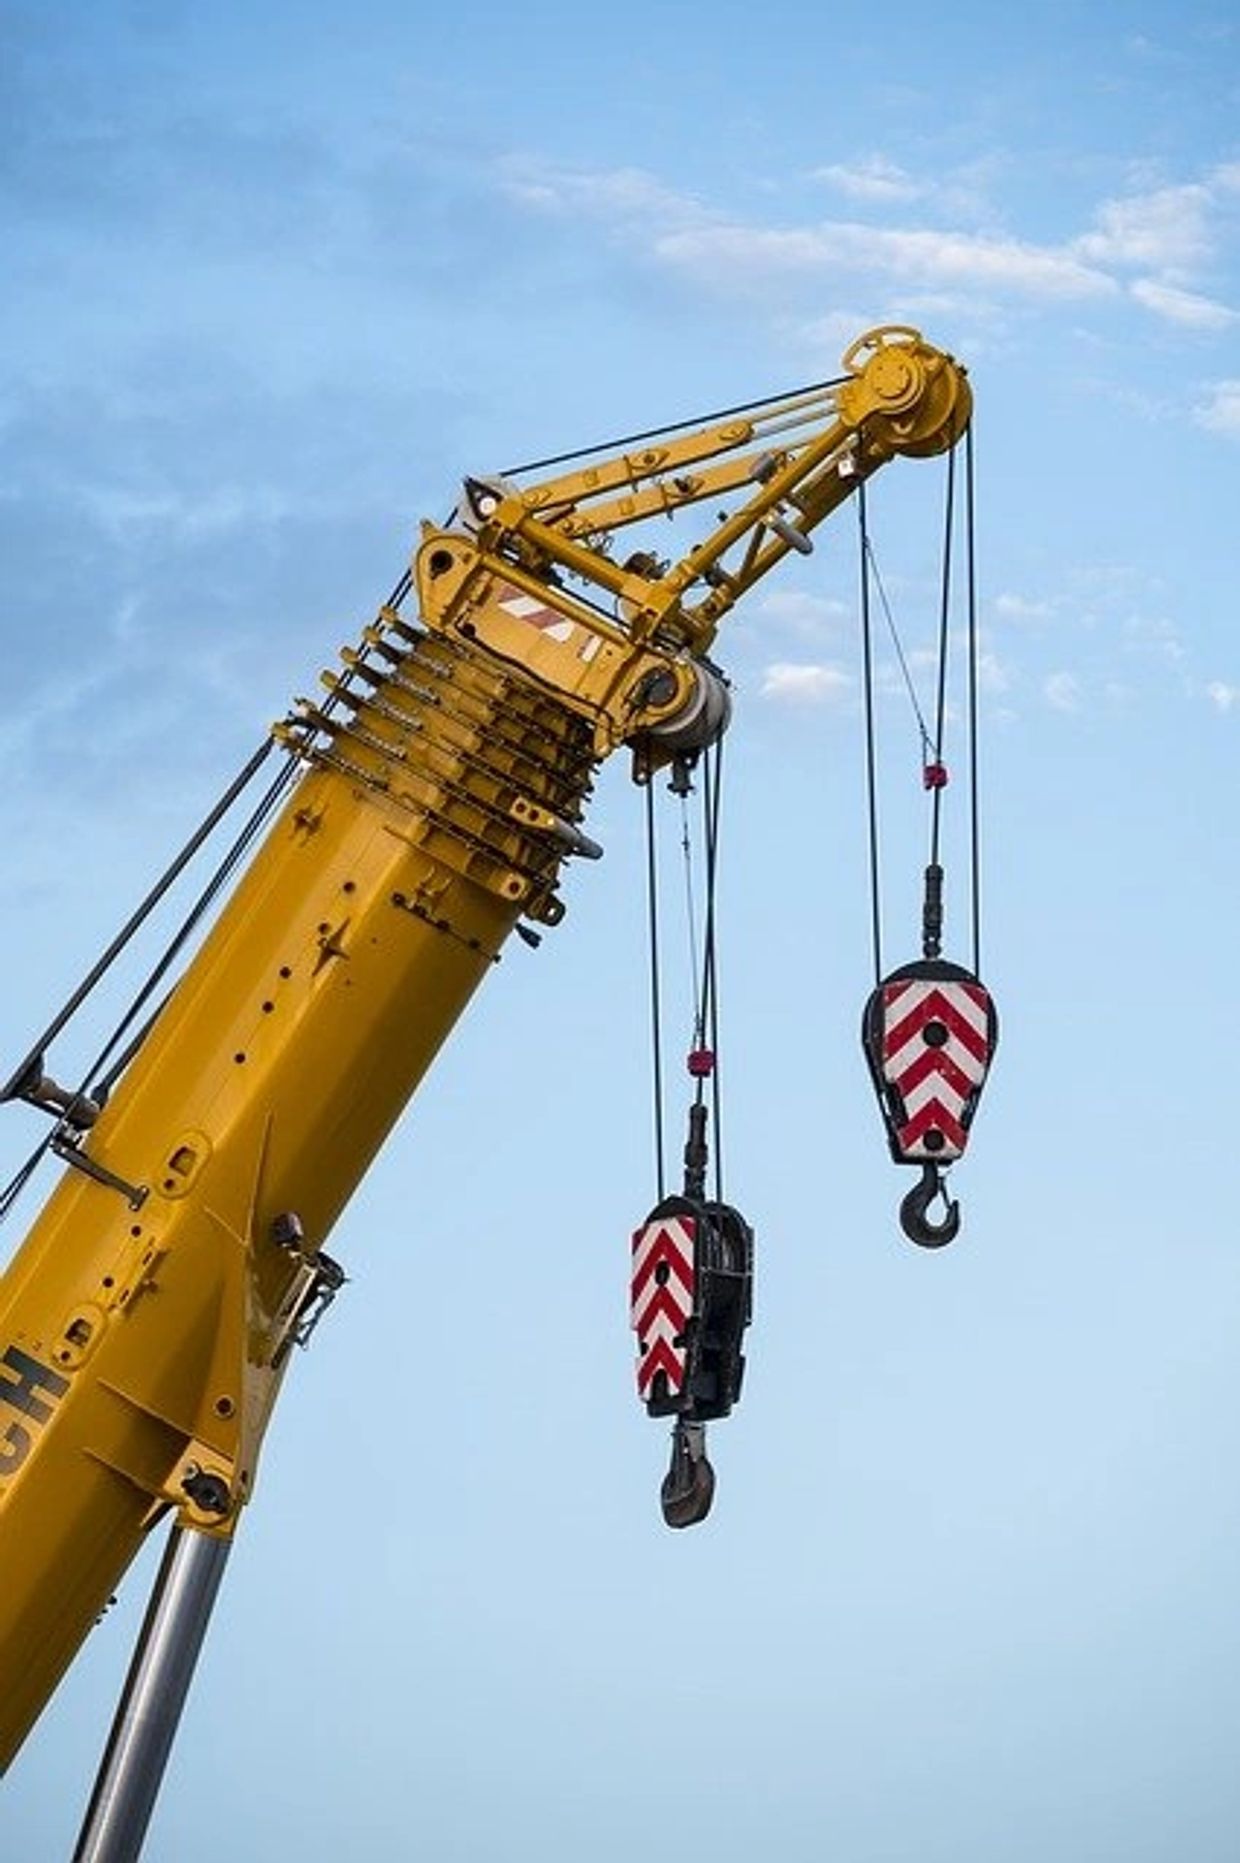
<point x="802" y="457"/>
<point x="145" y="1323"/>
<point x="141" y="1348"/>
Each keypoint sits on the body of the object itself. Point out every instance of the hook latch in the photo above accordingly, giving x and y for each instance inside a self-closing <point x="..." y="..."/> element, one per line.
<point x="914" y="1210"/>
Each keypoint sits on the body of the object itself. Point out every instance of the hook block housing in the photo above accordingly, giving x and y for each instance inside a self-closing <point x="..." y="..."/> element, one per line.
<point x="691" y="1300"/>
<point x="929" y="1031"/>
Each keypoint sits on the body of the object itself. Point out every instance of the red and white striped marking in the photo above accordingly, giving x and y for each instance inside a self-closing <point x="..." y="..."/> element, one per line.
<point x="935" y="1082"/>
<point x="662" y="1299"/>
<point x="547" y="620"/>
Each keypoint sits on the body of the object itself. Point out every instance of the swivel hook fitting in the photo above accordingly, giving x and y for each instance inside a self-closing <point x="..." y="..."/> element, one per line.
<point x="914" y="1219"/>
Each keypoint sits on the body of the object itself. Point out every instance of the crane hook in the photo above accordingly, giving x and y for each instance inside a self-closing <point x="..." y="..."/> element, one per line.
<point x="689" y="1485"/>
<point x="914" y="1207"/>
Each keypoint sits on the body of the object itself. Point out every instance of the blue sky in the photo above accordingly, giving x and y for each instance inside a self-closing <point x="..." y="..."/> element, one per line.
<point x="275" y="280"/>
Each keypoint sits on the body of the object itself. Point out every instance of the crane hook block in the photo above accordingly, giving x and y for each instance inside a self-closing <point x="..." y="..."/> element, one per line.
<point x="691" y="1298"/>
<point x="929" y="1032"/>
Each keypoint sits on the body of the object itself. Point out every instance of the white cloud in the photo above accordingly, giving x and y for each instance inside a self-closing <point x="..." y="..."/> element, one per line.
<point x="805" y="683"/>
<point x="917" y="256"/>
<point x="1223" y="696"/>
<point x="1220" y="412"/>
<point x="122" y="512"/>
<point x="1165" y="235"/>
<point x="1154" y="634"/>
<point x="1180" y="306"/>
<point x="1062" y="691"/>
<point x="680" y="231"/>
<point x="1163" y="230"/>
<point x="992" y="675"/>
<point x="624" y="195"/>
<point x="807" y="614"/>
<point x="1009" y="607"/>
<point x="1169" y="234"/>
<point x="874" y="179"/>
<point x="834" y="333"/>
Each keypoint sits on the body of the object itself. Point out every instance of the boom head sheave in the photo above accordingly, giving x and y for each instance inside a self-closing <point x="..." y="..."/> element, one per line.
<point x="534" y="573"/>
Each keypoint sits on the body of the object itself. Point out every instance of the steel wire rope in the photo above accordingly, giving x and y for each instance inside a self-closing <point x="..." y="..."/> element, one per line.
<point x="215" y="885"/>
<point x="940" y="710"/>
<point x="703" y="964"/>
<point x="680" y="426"/>
<point x="712" y="781"/>
<point x="173" y="872"/>
<point x="704" y="971"/>
<point x="927" y="744"/>
<point x="975" y="837"/>
<point x="698" y="1034"/>
<point x="138" y="918"/>
<point x="17" y="1183"/>
<point x="12" y="1191"/>
<point x="932" y="743"/>
<point x="88" y="1087"/>
<point x="656" y="1011"/>
<point x="871" y="747"/>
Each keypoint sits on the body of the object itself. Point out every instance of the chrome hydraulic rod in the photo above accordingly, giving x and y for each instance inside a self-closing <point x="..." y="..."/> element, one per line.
<point x="154" y="1695"/>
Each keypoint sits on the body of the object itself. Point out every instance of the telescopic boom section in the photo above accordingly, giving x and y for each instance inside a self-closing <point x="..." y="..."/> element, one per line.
<point x="146" y="1321"/>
